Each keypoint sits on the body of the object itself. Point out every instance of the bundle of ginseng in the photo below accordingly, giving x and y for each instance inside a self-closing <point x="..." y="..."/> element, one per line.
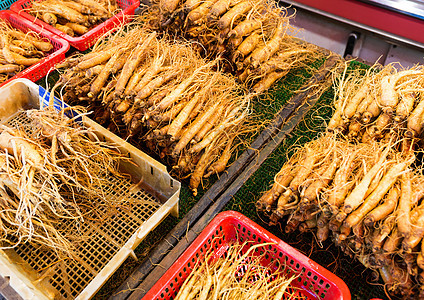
<point x="164" y="95"/>
<point x="365" y="196"/>
<point x="19" y="50"/>
<point x="52" y="177"/>
<point x="73" y="17"/>
<point x="251" y="36"/>
<point x="380" y="105"/>
<point x="239" y="274"/>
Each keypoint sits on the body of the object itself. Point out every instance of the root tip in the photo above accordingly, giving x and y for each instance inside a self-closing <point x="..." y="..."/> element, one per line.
<point x="273" y="220"/>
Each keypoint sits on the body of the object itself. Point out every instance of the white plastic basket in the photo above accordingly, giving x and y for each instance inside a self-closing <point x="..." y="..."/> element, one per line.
<point x="34" y="273"/>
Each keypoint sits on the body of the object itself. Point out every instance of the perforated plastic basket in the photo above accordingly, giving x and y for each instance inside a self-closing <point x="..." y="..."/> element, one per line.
<point x="5" y="4"/>
<point x="56" y="55"/>
<point x="88" y="39"/>
<point x="35" y="272"/>
<point x="313" y="281"/>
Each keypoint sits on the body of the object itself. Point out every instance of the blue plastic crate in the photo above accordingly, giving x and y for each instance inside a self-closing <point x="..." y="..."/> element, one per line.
<point x="5" y="4"/>
<point x="44" y="97"/>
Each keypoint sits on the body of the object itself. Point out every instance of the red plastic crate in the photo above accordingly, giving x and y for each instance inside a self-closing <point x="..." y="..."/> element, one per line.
<point x="88" y="39"/>
<point x="313" y="281"/>
<point x="56" y="55"/>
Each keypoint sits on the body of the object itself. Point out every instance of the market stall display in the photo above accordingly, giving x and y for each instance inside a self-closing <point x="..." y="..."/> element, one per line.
<point x="151" y="87"/>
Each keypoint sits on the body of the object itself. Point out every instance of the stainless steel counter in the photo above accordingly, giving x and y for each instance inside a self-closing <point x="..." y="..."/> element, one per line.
<point x="334" y="32"/>
<point x="414" y="8"/>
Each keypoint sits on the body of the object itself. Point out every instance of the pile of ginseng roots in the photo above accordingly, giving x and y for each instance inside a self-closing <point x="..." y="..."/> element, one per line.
<point x="361" y="183"/>
<point x="19" y="50"/>
<point x="387" y="104"/>
<point x="162" y="95"/>
<point x="52" y="178"/>
<point x="253" y="38"/>
<point x="238" y="274"/>
<point x="73" y="17"/>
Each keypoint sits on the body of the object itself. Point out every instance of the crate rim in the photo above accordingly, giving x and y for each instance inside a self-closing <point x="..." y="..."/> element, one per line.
<point x="284" y="247"/>
<point x="59" y="53"/>
<point x="80" y="43"/>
